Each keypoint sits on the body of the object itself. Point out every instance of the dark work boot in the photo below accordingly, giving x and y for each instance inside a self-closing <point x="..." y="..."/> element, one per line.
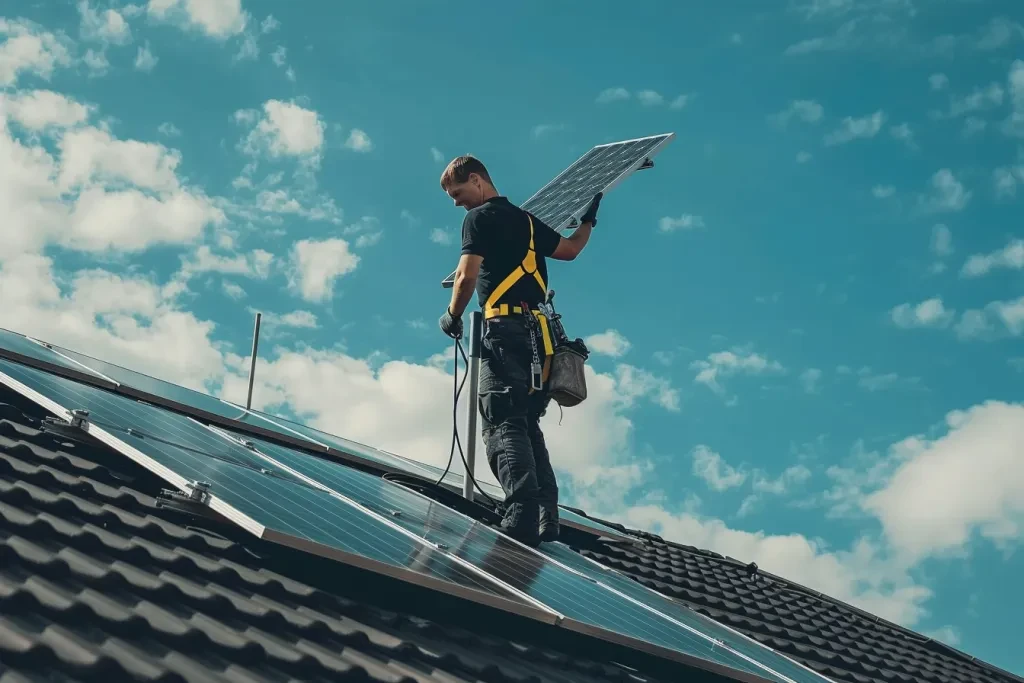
<point x="520" y="522"/>
<point x="548" y="523"/>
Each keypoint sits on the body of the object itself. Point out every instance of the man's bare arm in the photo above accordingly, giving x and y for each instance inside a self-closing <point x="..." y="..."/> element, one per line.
<point x="570" y="247"/>
<point x="466" y="275"/>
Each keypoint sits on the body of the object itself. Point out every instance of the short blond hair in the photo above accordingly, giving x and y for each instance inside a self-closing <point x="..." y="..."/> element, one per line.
<point x="458" y="171"/>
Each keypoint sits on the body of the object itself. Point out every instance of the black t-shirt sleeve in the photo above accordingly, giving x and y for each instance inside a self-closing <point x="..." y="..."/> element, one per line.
<point x="474" y="233"/>
<point x="545" y="239"/>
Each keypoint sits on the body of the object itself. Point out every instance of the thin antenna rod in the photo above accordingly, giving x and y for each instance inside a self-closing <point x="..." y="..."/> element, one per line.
<point x="252" y="365"/>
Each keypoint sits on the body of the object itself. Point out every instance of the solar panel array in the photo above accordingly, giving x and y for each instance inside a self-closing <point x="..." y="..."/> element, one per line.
<point x="80" y="366"/>
<point x="287" y="496"/>
<point x="564" y="199"/>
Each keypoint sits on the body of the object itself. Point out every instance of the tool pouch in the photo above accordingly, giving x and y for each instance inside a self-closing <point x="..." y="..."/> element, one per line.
<point x="567" y="383"/>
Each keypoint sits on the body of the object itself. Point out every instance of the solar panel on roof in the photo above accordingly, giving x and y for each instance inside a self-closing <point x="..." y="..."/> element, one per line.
<point x="686" y="618"/>
<point x="584" y="604"/>
<point x="22" y="349"/>
<point x="355" y="517"/>
<point x="80" y="366"/>
<point x="563" y="200"/>
<point x="269" y="502"/>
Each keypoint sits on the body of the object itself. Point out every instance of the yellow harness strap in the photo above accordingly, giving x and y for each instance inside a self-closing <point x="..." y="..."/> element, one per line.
<point x="527" y="267"/>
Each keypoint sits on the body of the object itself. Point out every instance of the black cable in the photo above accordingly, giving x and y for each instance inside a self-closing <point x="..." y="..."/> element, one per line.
<point x="457" y="391"/>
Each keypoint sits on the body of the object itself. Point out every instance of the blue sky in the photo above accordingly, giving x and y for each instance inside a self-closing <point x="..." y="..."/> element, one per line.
<point x="806" y="319"/>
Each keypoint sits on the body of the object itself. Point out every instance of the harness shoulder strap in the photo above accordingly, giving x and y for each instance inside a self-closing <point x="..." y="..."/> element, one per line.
<point x="528" y="266"/>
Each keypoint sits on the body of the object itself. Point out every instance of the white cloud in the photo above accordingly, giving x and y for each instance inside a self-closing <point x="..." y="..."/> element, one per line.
<point x="903" y="133"/>
<point x="712" y="468"/>
<point x="680" y="102"/>
<point x="169" y="129"/>
<point x="883" y="191"/>
<point x="938" y="81"/>
<point x="107" y="26"/>
<point x="647" y="97"/>
<point x="650" y="97"/>
<point x="994" y="320"/>
<point x="317" y="264"/>
<point x="807" y="111"/>
<point x="722" y="364"/>
<point x="942" y="240"/>
<point x="27" y="49"/>
<point x="980" y="99"/>
<point x="861" y="575"/>
<point x="255" y="264"/>
<point x="872" y="381"/>
<point x="809" y="378"/>
<point x="974" y="469"/>
<point x="272" y="322"/>
<point x="634" y="383"/>
<point x="687" y="221"/>
<point x="436" y="155"/>
<point x="803" y="157"/>
<point x="233" y="290"/>
<point x="96" y="62"/>
<point x="216" y="18"/>
<point x="37" y="110"/>
<point x="856" y="128"/>
<point x="145" y="60"/>
<point x="612" y="95"/>
<point x="947" y="193"/>
<point x="91" y="155"/>
<point x="928" y="313"/>
<point x="781" y="485"/>
<point x="285" y="129"/>
<point x="98" y="194"/>
<point x="359" y="141"/>
<point x="1006" y="178"/>
<point x="127" y="319"/>
<point x="442" y="237"/>
<point x="610" y="343"/>
<point x="1010" y="257"/>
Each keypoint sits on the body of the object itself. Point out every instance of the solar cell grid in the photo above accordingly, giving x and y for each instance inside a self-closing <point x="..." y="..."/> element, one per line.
<point x="687" y="618"/>
<point x="569" y="593"/>
<point x="20" y="348"/>
<point x="270" y="502"/>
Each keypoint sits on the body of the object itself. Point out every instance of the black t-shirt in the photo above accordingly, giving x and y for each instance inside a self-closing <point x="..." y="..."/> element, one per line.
<point x="499" y="231"/>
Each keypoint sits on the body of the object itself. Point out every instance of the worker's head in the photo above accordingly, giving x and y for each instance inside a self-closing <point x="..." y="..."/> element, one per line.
<point x="467" y="182"/>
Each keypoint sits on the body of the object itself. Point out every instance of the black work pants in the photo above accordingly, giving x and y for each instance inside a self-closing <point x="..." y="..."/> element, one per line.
<point x="510" y="417"/>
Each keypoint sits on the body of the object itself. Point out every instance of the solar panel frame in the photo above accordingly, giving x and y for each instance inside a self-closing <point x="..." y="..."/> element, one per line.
<point x="527" y="607"/>
<point x="574" y="213"/>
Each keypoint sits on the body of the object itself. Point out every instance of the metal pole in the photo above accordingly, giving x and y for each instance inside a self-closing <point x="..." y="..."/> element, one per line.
<point x="252" y="365"/>
<point x="475" y="334"/>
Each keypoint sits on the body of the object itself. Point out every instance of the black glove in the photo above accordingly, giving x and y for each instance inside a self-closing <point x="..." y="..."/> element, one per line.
<point x="451" y="325"/>
<point x="590" y="215"/>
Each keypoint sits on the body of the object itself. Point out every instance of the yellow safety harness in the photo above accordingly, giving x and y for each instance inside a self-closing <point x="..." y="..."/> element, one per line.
<point x="493" y="309"/>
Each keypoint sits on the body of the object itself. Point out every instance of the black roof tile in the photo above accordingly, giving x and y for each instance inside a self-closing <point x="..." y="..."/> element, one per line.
<point x="98" y="581"/>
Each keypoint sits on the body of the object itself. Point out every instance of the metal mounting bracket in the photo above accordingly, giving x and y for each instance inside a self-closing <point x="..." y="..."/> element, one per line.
<point x="647" y="163"/>
<point x="72" y="428"/>
<point x="194" y="502"/>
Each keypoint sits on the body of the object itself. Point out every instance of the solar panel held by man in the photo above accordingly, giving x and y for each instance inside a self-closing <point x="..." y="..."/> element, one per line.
<point x="503" y="260"/>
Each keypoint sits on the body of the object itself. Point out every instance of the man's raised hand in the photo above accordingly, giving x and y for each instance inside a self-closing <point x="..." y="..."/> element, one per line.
<point x="590" y="215"/>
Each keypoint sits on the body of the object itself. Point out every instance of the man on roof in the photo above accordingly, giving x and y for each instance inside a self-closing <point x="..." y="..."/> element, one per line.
<point x="504" y="252"/>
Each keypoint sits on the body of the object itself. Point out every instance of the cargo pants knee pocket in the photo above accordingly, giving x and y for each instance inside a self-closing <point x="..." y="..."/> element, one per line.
<point x="507" y="442"/>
